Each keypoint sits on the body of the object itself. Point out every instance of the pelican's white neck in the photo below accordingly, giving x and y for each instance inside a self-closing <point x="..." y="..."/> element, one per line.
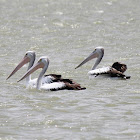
<point x="32" y="59"/>
<point x="39" y="80"/>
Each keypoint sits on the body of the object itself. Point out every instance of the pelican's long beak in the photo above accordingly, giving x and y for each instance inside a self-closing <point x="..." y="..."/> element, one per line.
<point x="94" y="54"/>
<point x="23" y="62"/>
<point x="97" y="53"/>
<point x="31" y="70"/>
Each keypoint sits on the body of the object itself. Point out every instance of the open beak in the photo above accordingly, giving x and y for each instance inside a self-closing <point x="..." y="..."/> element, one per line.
<point x="31" y="70"/>
<point x="23" y="62"/>
<point x="94" y="54"/>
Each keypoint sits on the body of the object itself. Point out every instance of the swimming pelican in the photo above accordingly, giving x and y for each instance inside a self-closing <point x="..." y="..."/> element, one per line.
<point x="57" y="84"/>
<point x="30" y="58"/>
<point x="116" y="70"/>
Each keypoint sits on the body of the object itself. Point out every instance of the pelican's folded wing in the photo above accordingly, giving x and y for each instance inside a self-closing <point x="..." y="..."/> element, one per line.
<point x="51" y="78"/>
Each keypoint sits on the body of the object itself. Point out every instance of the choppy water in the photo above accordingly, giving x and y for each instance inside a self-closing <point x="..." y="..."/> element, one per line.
<point x="67" y="31"/>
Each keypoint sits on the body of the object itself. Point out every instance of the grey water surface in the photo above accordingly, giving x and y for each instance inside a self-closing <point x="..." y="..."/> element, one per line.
<point x="67" y="31"/>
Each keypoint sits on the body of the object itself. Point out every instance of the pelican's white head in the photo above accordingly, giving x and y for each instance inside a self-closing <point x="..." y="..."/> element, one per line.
<point x="97" y="53"/>
<point x="30" y="54"/>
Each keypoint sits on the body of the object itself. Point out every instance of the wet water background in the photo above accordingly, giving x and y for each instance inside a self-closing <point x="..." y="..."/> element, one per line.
<point x="67" y="32"/>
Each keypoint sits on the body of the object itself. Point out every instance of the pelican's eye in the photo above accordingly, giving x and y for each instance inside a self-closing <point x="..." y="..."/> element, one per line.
<point x="40" y="60"/>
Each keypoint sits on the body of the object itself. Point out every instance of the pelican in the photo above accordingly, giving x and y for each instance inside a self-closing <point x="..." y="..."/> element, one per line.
<point x="30" y="58"/>
<point x="116" y="70"/>
<point x="57" y="84"/>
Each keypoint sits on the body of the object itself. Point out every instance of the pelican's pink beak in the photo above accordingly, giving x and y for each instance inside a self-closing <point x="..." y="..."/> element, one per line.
<point x="91" y="56"/>
<point x="23" y="62"/>
<point x="31" y="70"/>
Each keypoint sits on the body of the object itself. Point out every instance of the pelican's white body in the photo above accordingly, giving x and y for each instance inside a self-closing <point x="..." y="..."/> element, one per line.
<point x="46" y="82"/>
<point x="54" y="85"/>
<point x="99" y="71"/>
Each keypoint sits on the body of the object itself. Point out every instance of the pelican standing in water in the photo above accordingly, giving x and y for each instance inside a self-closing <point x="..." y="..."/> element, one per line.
<point x="30" y="58"/>
<point x="57" y="84"/>
<point x="116" y="70"/>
